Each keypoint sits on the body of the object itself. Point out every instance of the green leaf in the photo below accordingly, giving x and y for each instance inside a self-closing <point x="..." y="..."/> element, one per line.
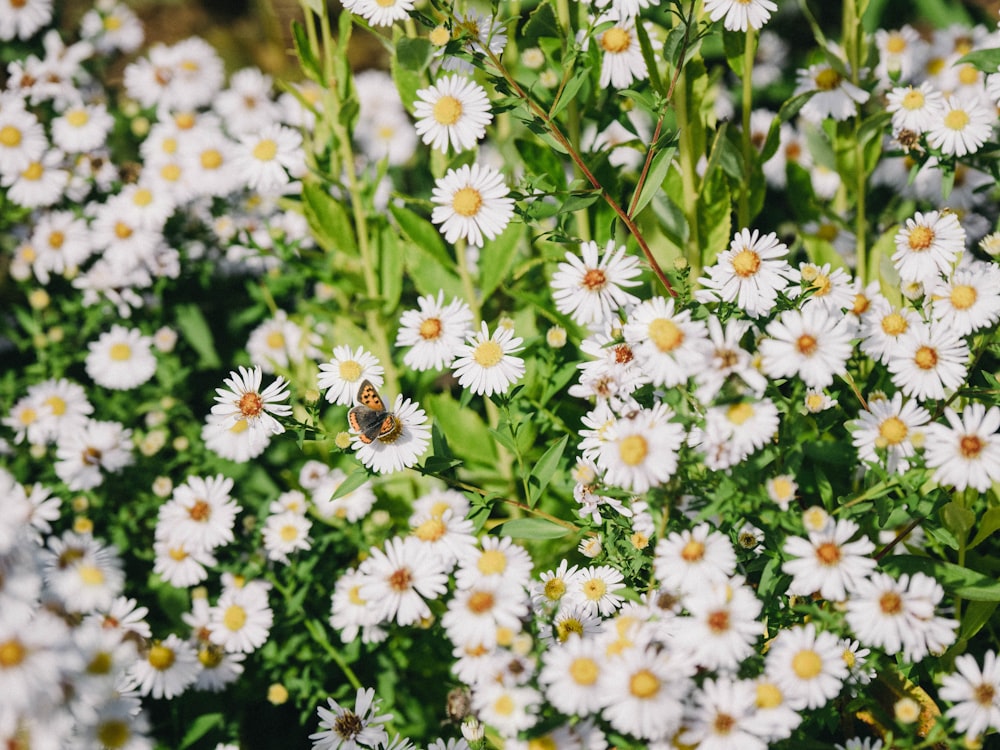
<point x="955" y="579"/>
<point x="391" y="266"/>
<point x="734" y="43"/>
<point x="650" y="57"/>
<point x="531" y="528"/>
<point x="714" y="216"/>
<point x="654" y="178"/>
<point x="194" y="328"/>
<point x="539" y="159"/>
<point x="413" y="53"/>
<point x="543" y="471"/>
<point x="572" y="90"/>
<point x="941" y="13"/>
<point x="468" y="435"/>
<point x="787" y="111"/>
<point x="351" y="482"/>
<point x="505" y="439"/>
<point x="541" y="22"/>
<point x="201" y="726"/>
<point x="307" y="57"/>
<point x="328" y="219"/>
<point x="988" y="525"/>
<point x="975" y="616"/>
<point x="958" y="519"/>
<point x="422" y="233"/>
<point x="496" y="258"/>
<point x="986" y="60"/>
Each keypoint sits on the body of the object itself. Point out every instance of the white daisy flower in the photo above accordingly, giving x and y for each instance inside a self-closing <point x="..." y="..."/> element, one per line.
<point x="644" y="693"/>
<point x="575" y="675"/>
<point x="112" y="28"/>
<point x="169" y="668"/>
<point x="381" y="12"/>
<point x="885" y="433"/>
<point x="811" y="344"/>
<point x="928" y="246"/>
<point x="241" y="619"/>
<point x="23" y="19"/>
<point x="827" y="562"/>
<point x="499" y="558"/>
<point x="721" y="628"/>
<point x="750" y="273"/>
<point x="402" y="446"/>
<point x="589" y="289"/>
<point x="234" y="441"/>
<point x="486" y="364"/>
<point x="347" y="729"/>
<point x="200" y="513"/>
<point x="740" y="15"/>
<point x="509" y="709"/>
<point x="121" y="359"/>
<point x="244" y="400"/>
<point x="898" y="616"/>
<point x="82" y="455"/>
<point x="42" y="183"/>
<point x="964" y="124"/>
<point x="975" y="693"/>
<point x="450" y="536"/>
<point x="472" y="203"/>
<point x="350" y="614"/>
<point x="915" y="109"/>
<point x="246" y="105"/>
<point x="399" y="579"/>
<point x="693" y="559"/>
<point x="269" y="159"/>
<point x="807" y="666"/>
<point x="883" y="327"/>
<point x="477" y="614"/>
<point x="433" y="332"/>
<point x="930" y="362"/>
<point x="181" y="564"/>
<point x="898" y="51"/>
<point x="969" y="300"/>
<point x="669" y="346"/>
<point x="342" y="375"/>
<point x="835" y="95"/>
<point x="724" y="715"/>
<point x="453" y="112"/>
<point x="967" y="452"/>
<point x="285" y="533"/>
<point x="82" y="128"/>
<point x="594" y="589"/>
<point x="641" y="452"/>
<point x="61" y="243"/>
<point x="622" y="62"/>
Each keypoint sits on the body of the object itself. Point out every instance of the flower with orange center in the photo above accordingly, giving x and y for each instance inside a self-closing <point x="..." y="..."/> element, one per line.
<point x="828" y="563"/>
<point x="966" y="452"/>
<point x="243" y="399"/>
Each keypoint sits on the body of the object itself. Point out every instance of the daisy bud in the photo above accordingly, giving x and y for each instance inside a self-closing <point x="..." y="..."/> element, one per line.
<point x="472" y="730"/>
<point x="39" y="299"/>
<point x="533" y="58"/>
<point x="80" y="503"/>
<point x="181" y="444"/>
<point x="277" y="694"/>
<point x="555" y="337"/>
<point x="548" y="79"/>
<point x="815" y="518"/>
<point x="439" y="36"/>
<point x="591" y="547"/>
<point x="342" y="440"/>
<point x="162" y="486"/>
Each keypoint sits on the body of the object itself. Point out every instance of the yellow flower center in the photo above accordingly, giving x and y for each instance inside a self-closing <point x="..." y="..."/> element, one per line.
<point x="739" y="413"/>
<point x="806" y="344"/>
<point x="56" y="404"/>
<point x="430" y="530"/>
<point x="616" y="40"/>
<point x="968" y="75"/>
<point x="289" y="533"/>
<point x="122" y="230"/>
<point x="349" y="370"/>
<point x="160" y="657"/>
<point x="77" y="117"/>
<point x="828" y="553"/>
<point x="633" y="449"/>
<point x="807" y="664"/>
<point x="265" y="150"/>
<point x="504" y="705"/>
<point x="488" y="354"/>
<point x="112" y="23"/>
<point x="693" y="551"/>
<point x="439" y="36"/>
<point x="275" y="340"/>
<point x="963" y="296"/>
<point x="235" y="617"/>
<point x="644" y="684"/>
<point x="914" y="99"/>
<point x="926" y="358"/>
<point x="827" y="79"/>
<point x="211" y="159"/>
<point x="56" y="240"/>
<point x="28" y="416"/>
<point x="447" y="110"/>
<point x="10" y="136"/>
<point x="120" y="352"/>
<point x="90" y="575"/>
<point x="584" y="671"/>
<point x="594" y="589"/>
<point x="895" y="44"/>
<point x="34" y="171"/>
<point x="480" y="602"/>
<point x="170" y="172"/>
<point x="430" y="329"/>
<point x="555" y="588"/>
<point x="543" y="743"/>
<point x="746" y="263"/>
<point x="12" y="653"/>
<point x="467" y="202"/>
<point x="492" y="562"/>
<point x="665" y="334"/>
<point x="142" y="197"/>
<point x="892" y="431"/>
<point x="769" y="695"/>
<point x="894" y="324"/>
<point x="112" y="733"/>
<point x="890" y="603"/>
<point x="957" y="119"/>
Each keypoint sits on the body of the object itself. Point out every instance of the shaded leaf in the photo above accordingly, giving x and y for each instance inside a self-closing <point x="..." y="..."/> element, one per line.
<point x="531" y="528"/>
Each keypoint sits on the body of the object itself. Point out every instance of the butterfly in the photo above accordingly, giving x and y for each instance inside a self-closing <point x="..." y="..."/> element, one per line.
<point x="370" y="419"/>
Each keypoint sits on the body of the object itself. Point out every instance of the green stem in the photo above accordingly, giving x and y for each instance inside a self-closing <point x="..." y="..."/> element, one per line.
<point x="574" y="155"/>
<point x="748" y="54"/>
<point x="689" y="180"/>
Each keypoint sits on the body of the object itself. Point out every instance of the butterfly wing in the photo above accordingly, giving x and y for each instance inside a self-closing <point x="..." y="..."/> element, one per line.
<point x="367" y="423"/>
<point x="368" y="396"/>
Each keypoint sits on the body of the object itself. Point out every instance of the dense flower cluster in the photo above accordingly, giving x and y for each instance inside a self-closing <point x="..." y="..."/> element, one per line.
<point x="380" y="370"/>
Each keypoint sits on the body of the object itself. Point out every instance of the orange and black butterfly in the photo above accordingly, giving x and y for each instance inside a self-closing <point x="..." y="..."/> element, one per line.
<point x="370" y="419"/>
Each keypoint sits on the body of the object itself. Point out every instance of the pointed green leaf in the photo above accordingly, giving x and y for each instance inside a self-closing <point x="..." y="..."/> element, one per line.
<point x="194" y="328"/>
<point x="328" y="219"/>
<point x="351" y="482"/>
<point x="544" y="469"/>
<point x="531" y="528"/>
<point x="955" y="579"/>
<point x="988" y="525"/>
